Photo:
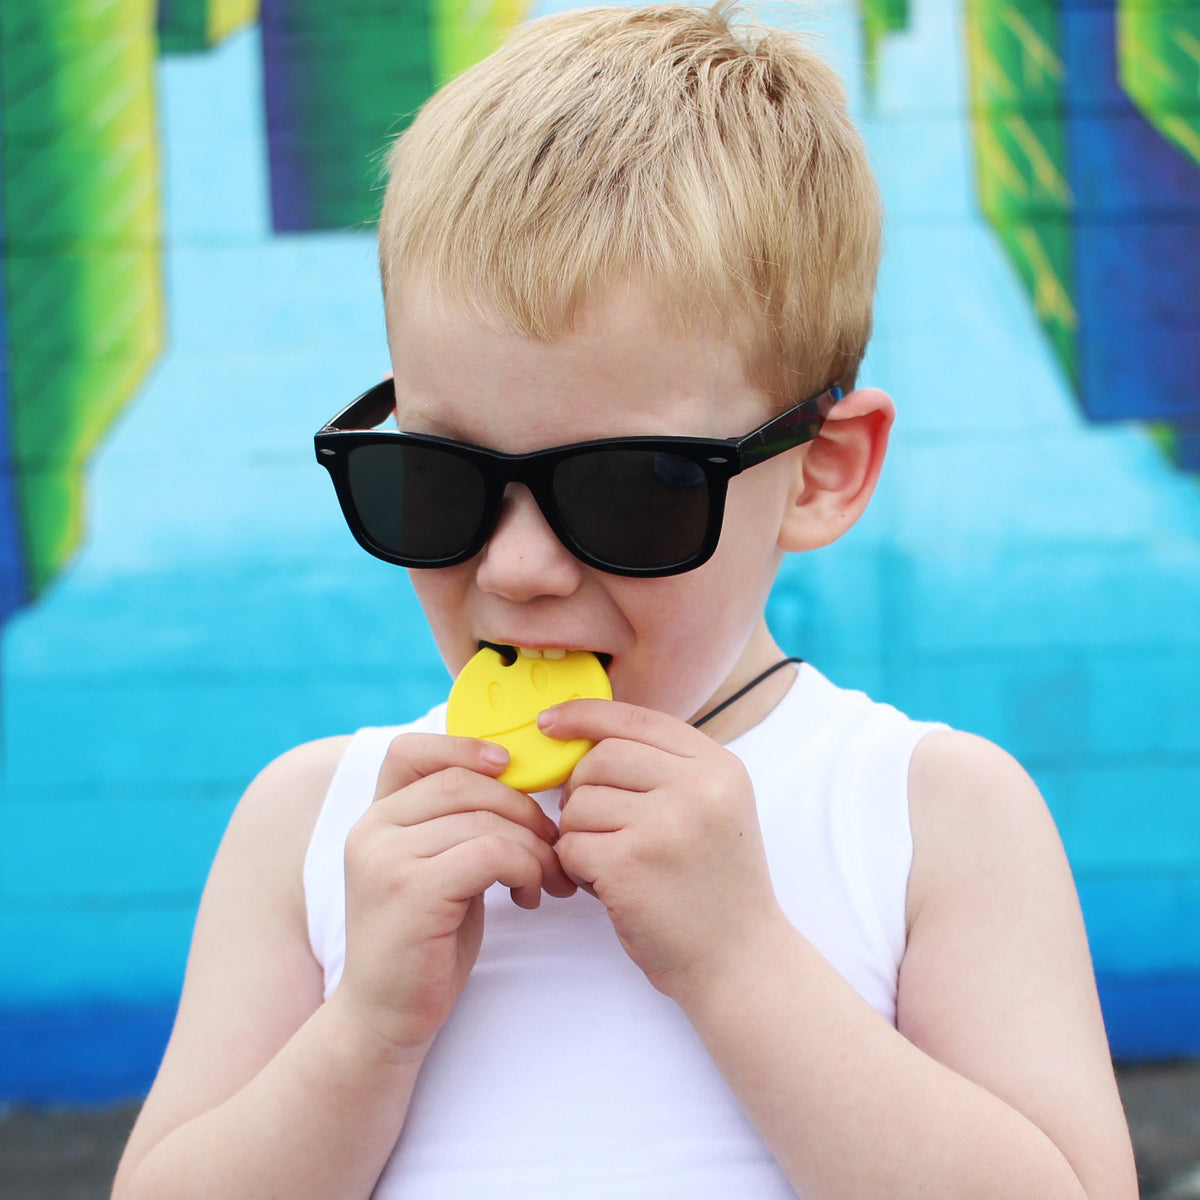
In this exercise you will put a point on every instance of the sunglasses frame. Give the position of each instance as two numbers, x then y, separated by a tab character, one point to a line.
719	458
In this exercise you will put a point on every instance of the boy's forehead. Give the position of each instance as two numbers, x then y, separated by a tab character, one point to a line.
625	304
624	368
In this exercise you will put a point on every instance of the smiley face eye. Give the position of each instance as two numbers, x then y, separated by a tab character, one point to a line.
495	695
539	676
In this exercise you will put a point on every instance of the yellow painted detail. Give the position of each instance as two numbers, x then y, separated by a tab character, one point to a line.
1044	169
1039	59
1158	56
464	31
1182	133
1001	171
1050	298
228	16
1188	44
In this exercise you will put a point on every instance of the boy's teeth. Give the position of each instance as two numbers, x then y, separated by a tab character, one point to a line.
533	652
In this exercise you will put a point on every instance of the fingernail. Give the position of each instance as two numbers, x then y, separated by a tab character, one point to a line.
545	719
493	755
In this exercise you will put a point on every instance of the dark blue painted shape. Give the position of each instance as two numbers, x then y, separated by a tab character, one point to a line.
292	202
79	1053
1137	237
1151	1017
1187	448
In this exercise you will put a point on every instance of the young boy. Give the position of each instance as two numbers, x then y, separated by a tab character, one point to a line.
813	948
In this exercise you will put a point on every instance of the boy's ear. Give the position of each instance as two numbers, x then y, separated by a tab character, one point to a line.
837	473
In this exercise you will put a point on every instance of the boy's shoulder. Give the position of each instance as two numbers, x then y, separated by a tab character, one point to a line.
963	778
279	808
979	822
299	777
286	797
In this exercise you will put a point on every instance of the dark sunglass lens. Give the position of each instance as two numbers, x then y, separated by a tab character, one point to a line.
634	508
416	501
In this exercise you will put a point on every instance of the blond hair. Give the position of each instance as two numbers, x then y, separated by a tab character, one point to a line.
655	144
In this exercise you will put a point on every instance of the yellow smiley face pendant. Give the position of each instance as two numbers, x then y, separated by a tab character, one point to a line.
500	703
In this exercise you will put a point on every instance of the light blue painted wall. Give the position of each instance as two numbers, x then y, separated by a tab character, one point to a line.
1021	574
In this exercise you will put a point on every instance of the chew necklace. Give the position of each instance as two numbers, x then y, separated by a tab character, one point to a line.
497	696
783	662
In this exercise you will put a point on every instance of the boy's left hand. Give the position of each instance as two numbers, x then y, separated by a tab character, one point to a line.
659	822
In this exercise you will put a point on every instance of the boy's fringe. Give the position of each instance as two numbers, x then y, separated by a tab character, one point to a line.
686	149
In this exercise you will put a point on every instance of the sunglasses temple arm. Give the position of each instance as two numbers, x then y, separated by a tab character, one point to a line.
370	409
792	428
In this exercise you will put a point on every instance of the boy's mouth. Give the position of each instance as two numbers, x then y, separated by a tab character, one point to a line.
510	653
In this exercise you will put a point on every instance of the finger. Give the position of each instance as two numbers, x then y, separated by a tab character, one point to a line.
412	756
594	809
434	838
470	868
461	790
600	719
617	762
583	855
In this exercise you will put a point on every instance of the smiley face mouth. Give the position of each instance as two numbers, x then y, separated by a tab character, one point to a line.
532	724
510	653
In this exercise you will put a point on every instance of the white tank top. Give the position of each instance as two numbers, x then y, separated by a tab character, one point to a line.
561	1071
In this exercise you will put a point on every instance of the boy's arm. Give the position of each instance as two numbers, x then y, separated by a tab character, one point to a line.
998	1082
248	1083
1001	1084
265	1090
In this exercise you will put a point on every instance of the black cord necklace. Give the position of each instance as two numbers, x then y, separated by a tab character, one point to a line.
783	662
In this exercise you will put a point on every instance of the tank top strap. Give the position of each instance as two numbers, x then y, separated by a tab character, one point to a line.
875	813
830	767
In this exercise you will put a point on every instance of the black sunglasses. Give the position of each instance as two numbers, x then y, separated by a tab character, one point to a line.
641	506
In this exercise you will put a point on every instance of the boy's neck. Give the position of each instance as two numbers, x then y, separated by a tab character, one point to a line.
761	652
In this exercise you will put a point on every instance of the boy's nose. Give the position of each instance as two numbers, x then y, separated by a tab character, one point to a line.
524	558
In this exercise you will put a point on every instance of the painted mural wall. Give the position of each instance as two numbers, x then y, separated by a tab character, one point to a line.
187	190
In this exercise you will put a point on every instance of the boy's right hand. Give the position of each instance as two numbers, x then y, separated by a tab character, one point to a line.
441	830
